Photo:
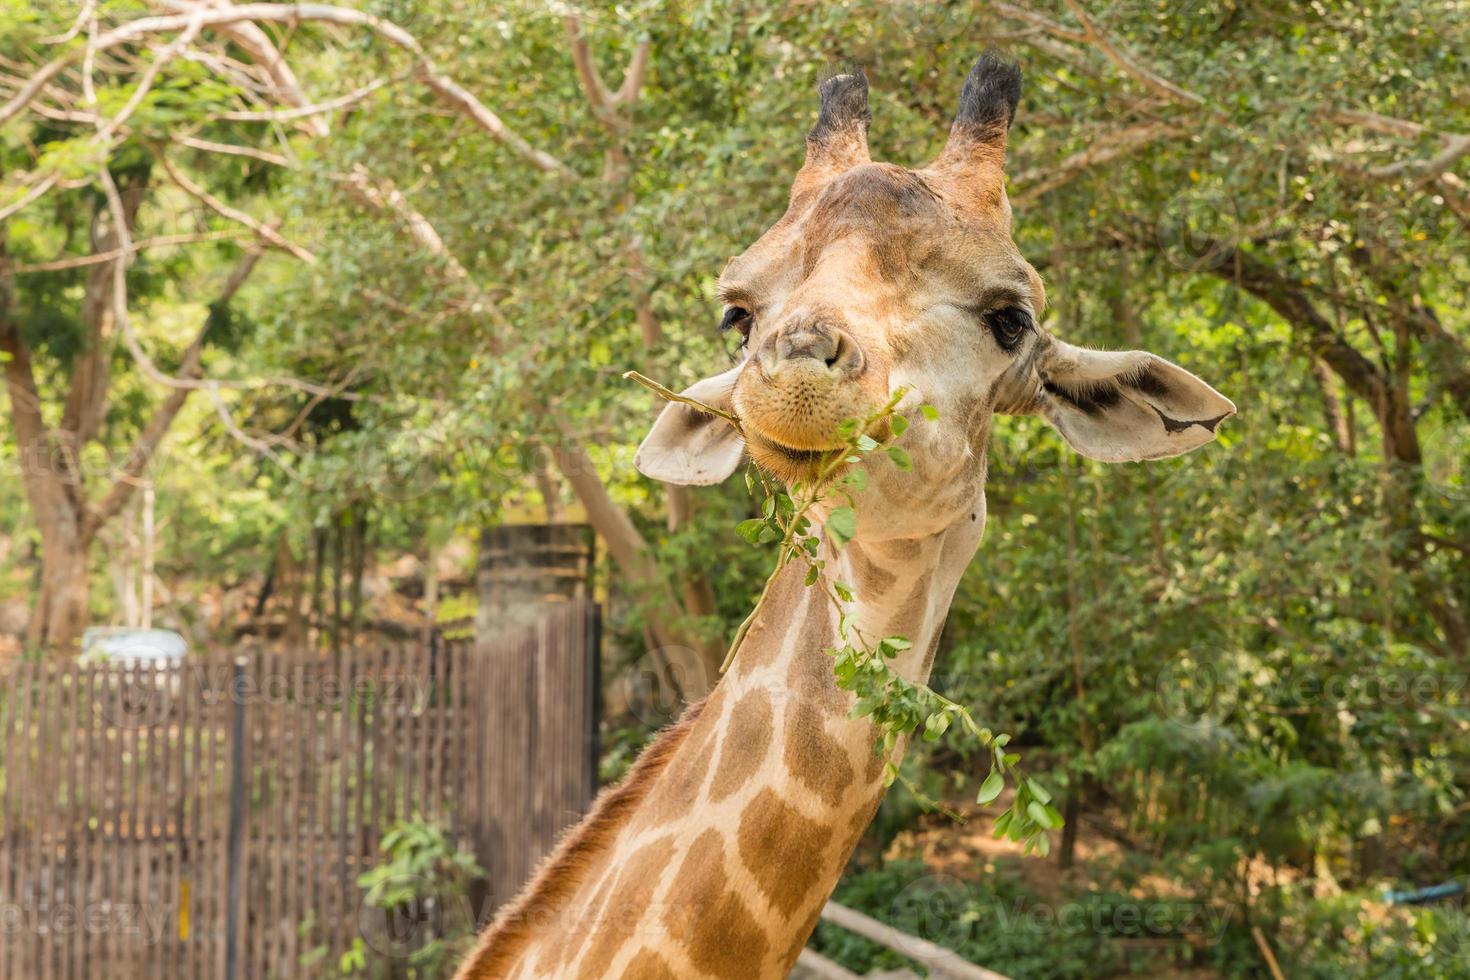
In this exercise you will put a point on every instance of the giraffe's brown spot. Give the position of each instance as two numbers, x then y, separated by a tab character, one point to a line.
810	674
875	767
858	825
570	950
782	849
798	942
814	756
719	934
929	654
747	738
763	642
913	609
810	677
899	549
629	898
872	579
681	780
648	965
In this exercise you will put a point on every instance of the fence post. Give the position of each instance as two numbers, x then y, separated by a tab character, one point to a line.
237	823
591	723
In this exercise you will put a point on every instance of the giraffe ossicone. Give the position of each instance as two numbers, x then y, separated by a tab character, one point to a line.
714	857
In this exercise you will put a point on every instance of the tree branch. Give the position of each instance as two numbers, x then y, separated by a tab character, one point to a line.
627	93
1361	375
264	54
305	110
81	261
231	149
264	231
425	69
1036	182
148	441
1127	64
592	85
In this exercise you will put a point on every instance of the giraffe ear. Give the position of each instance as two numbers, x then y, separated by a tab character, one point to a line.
1126	405
690	447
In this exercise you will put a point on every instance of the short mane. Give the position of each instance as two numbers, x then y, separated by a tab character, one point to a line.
563	870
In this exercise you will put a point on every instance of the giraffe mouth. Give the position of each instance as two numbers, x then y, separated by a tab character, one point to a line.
788	462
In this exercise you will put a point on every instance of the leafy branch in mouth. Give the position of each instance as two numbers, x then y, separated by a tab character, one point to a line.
862	663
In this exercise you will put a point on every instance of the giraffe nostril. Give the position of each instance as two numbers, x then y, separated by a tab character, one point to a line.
833	348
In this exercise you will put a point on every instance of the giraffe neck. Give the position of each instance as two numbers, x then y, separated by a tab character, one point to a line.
722	864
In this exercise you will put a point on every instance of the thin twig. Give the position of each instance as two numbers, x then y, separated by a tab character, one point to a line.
97	258
45	184
298	112
210	146
670	395
261	229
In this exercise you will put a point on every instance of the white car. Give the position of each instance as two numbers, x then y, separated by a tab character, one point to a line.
144	648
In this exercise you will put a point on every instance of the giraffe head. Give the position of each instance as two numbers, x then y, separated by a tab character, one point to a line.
880	277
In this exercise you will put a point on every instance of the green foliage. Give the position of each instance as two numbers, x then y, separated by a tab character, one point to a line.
998	924
423	883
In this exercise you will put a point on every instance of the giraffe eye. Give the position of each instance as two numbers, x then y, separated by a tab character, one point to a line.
1008	325
737	317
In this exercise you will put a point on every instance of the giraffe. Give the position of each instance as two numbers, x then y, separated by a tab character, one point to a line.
714	856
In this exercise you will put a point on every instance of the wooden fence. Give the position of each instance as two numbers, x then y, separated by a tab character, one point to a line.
211	819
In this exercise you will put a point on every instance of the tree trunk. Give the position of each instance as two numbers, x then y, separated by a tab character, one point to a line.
636	560
60	613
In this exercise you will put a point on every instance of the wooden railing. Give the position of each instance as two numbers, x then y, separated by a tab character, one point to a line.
942	964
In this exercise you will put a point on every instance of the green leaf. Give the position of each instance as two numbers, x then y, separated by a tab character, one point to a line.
750	530
899	425
1038	813
929	412
866	443
900	458
1038	791
843	590
991	788
935	726
841	525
